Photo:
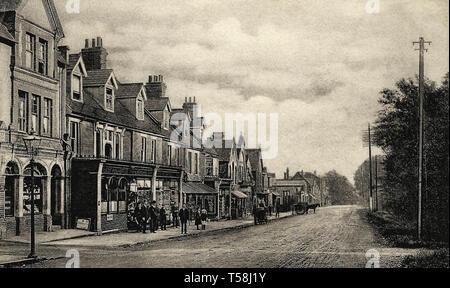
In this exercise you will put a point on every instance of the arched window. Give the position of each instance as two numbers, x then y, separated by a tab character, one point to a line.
11	182
40	176
113	190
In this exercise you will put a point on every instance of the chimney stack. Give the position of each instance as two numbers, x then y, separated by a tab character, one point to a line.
156	87
94	55
287	173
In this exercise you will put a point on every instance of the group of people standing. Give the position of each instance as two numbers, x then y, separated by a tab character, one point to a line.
150	215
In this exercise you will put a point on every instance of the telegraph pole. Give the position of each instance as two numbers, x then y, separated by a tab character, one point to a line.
376	183
370	173
421	50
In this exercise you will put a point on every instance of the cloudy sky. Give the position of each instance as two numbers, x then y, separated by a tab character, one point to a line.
319	64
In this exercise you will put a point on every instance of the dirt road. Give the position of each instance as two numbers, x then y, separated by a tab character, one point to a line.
334	237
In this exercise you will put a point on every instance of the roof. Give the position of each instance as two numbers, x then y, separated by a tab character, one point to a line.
254	157
156	104
239	194
224	154
129	90
13	5
198	188
5	34
97	77
121	116
210	151
298	176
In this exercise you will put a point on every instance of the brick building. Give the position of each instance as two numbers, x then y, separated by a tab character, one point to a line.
120	138
32	83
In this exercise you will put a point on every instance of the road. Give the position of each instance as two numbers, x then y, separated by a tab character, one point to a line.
334	237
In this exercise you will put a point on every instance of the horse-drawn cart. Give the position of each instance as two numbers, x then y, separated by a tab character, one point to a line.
261	215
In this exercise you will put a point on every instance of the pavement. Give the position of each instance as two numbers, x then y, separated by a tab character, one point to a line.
80	238
334	237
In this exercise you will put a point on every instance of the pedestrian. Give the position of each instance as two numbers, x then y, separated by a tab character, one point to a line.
255	211
204	218
184	215
198	218
174	211
163	218
153	217
141	216
277	209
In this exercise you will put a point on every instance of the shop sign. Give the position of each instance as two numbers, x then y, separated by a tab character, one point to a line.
110	217
83	224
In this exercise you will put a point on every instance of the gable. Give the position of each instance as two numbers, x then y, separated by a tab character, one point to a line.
34	11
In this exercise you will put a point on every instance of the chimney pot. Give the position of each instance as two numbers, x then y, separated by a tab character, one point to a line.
93	43
190	99
185	99
194	100
86	43
99	41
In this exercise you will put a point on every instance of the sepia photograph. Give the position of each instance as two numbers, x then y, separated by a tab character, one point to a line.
247	136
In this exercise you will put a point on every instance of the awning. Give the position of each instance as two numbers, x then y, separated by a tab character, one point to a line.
239	194
197	188
276	194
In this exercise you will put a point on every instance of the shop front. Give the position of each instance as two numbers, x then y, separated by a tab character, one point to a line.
238	204
201	196
106	192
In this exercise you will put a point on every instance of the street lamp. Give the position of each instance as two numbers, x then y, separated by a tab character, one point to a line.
32	143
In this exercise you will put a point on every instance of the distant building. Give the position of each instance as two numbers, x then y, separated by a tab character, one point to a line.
292	190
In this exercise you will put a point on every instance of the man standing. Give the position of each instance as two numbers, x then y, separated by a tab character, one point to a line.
153	217
163	218
184	215
174	212
277	209
141	217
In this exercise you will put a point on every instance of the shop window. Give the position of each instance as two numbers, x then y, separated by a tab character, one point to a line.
123	187
104	199
113	197
37	191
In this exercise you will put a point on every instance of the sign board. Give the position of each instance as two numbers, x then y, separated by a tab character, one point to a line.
109	217
83	224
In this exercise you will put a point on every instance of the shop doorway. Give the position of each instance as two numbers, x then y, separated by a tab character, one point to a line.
55	197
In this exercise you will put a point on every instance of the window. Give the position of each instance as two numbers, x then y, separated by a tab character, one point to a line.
190	162
37	191
140	109
144	149
154	151
109	99
36	114
123	195
196	163
169	155
48	112
74	132
43	57
118	145
23	111
76	87
30	51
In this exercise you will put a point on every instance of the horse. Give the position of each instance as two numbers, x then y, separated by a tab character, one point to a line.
312	207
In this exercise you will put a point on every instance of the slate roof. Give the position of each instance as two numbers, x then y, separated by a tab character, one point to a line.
121	116
198	188
129	90
224	154
73	59
156	104
9	5
97	77
5	34
253	156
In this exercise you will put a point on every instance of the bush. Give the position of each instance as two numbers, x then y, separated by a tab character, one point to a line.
437	259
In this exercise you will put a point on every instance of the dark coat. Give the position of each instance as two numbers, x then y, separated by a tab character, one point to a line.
140	213
204	217
152	212
198	218
162	213
184	215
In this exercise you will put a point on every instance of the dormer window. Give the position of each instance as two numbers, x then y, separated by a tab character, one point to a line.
140	109
109	99
76	88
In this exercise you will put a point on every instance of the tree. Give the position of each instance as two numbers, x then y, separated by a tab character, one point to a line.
340	190
396	133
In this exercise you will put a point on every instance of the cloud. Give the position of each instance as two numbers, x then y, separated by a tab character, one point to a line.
318	64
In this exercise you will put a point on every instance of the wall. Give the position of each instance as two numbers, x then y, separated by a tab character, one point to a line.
5	83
